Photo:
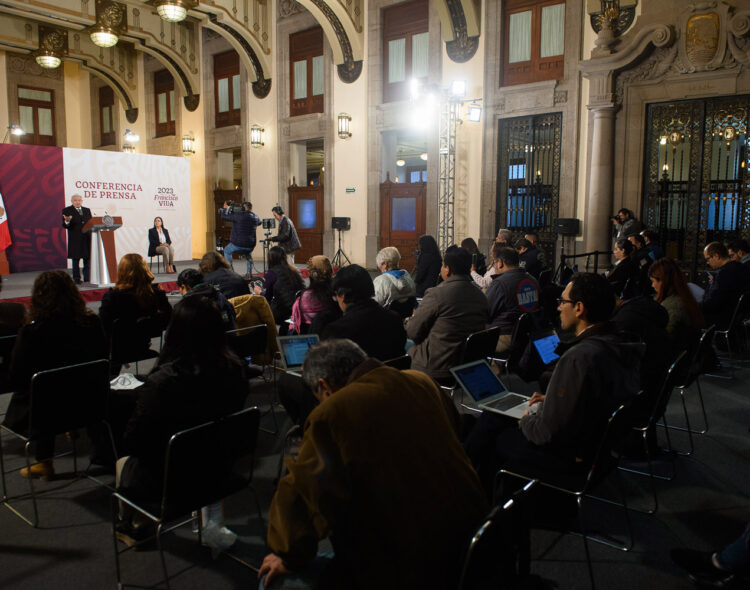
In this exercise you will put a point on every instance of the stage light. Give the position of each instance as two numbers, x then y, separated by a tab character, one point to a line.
474	113
458	88
13	129
345	125
188	145
256	136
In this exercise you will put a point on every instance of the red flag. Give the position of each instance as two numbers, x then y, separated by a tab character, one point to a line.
5	240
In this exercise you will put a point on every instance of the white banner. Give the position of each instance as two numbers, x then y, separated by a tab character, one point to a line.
136	187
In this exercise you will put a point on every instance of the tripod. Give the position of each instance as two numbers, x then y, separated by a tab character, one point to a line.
340	256
266	245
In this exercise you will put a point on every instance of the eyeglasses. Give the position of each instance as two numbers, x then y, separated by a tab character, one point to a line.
560	301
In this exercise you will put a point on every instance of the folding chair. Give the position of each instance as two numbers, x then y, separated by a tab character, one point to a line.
402	363
518	342
6	352
579	486
60	400
477	345
645	423
158	263
131	343
741	311
203	465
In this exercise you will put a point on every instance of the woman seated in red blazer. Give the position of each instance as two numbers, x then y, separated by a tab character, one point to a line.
159	244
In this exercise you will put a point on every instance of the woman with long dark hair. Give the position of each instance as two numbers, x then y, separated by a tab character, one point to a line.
159	244
60	332
134	296
673	293
479	262
196	379
316	306
429	261
283	282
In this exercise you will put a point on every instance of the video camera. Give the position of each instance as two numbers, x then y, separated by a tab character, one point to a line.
269	223
233	208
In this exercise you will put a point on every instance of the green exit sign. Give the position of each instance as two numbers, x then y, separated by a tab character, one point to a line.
350	189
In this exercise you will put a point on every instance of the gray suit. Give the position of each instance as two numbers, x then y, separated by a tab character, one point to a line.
445	318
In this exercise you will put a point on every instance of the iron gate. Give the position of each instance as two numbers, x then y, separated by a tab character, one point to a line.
696	183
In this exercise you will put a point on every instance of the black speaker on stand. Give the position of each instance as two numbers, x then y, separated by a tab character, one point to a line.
565	226
340	224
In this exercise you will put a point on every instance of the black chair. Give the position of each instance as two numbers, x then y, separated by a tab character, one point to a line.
131	342
579	485
690	376
545	278
518	342
403	307
203	465
646	418
402	363
6	352
477	345
733	330
158	263
60	400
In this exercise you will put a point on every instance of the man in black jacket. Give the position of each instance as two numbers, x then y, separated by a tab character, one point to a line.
732	279
242	239
287	237
75	217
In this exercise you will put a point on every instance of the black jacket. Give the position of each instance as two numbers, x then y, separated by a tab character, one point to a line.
243	228
509	295
720	299
281	292
529	261
619	275
378	331
427	271
228	316
79	243
228	282
153	240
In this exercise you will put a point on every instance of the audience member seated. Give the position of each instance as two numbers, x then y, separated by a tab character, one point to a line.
393	285
197	379
528	257
427	270
731	280
61	332
315	307
504	237
596	373
739	251
12	316
253	310
540	255
484	280
654	249
283	282
446	316
134	296
513	291
672	292
478	260
728	567
159	244
642	257
397	513
378	331
216	272
625	268
190	282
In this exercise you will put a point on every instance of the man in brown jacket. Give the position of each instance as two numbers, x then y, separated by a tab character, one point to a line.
382	473
446	316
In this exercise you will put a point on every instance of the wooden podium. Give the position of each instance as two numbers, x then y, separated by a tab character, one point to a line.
103	254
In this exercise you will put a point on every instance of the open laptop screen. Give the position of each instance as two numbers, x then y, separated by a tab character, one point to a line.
294	349
478	380
545	346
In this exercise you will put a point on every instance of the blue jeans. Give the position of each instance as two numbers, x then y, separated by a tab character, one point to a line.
304	579
230	249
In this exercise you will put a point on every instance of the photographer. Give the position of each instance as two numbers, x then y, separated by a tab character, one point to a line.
626	224
287	236
242	240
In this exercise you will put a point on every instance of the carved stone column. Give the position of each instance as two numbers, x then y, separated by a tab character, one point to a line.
600	202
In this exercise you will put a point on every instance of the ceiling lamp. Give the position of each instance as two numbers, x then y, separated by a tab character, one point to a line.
53	46
110	23
400	163
174	11
423	156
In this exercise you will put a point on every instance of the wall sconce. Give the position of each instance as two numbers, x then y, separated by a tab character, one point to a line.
128	147
256	136
130	139
188	144
53	46
111	21
423	156
345	126
174	11
13	129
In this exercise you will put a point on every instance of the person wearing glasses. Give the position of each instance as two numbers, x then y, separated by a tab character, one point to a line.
597	371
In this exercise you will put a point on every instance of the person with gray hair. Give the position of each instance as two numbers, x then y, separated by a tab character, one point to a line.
504	237
359	477
393	284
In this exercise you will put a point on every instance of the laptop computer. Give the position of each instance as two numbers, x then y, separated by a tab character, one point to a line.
545	345
478	380
294	350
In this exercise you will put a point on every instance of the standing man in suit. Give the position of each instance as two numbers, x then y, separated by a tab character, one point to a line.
287	236
75	217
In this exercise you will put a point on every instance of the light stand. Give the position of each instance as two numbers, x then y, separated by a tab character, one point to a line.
340	256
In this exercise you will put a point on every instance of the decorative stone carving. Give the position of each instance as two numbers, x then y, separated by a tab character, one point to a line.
704	37
739	40
350	70
620	25
191	102
131	115
261	87
289	8
21	64
561	96
463	47
654	67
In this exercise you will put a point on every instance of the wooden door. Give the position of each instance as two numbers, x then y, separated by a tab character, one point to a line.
307	214
402	218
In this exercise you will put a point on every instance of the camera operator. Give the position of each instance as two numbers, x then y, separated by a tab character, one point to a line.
242	240
287	236
626	224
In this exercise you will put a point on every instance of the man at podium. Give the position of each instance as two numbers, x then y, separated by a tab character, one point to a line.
75	217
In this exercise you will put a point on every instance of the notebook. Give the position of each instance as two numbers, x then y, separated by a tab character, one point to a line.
294	350
478	380
545	345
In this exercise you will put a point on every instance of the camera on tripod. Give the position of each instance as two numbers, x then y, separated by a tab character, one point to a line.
269	223
233	208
